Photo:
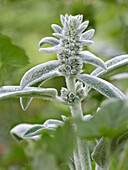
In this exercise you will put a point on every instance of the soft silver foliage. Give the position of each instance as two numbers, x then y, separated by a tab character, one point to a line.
111	65
28	92
102	86
119	76
40	73
50	40
33	131
90	58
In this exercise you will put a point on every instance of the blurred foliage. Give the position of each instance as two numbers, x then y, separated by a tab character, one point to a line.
26	22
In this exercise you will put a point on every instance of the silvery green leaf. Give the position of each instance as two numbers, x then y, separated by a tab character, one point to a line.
111	65
84	42
34	130
6	89
119	76
30	92
104	87
90	58
40	73
99	153
56	28
58	35
50	49
62	19
50	40
52	123
49	125
19	130
88	34
82	27
24	102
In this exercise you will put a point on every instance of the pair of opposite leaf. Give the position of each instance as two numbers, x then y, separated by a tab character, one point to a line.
70	62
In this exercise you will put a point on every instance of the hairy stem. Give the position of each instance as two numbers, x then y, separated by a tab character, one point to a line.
81	153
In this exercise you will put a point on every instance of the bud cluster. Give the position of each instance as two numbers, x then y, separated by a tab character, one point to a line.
70	46
71	97
72	66
68	96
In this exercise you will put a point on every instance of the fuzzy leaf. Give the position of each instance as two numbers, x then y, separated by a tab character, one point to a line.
111	65
110	121
56	28
82	27
6	89
52	123
25	102
84	42
90	58
104	87
40	73
62	19
19	130
50	40
49	125
88	34
12	54
99	154
119	76
58	35
48	93
49	49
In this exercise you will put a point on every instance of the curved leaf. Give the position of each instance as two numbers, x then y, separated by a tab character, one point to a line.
102	86
111	65
52	123
90	58
49	125
99	155
119	76
88	34
37	76
84	42
34	130
50	49
50	40
56	28
19	130
40	73
58	35
6	89
82	27
29	92
62	19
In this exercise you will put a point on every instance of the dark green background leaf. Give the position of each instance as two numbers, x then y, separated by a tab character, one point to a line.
110	121
11	54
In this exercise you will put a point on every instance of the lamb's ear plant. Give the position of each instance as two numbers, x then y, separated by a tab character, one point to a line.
110	121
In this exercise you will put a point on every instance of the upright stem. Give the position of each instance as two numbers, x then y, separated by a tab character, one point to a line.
81	153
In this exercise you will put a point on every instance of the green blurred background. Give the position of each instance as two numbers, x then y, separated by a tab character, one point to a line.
26	22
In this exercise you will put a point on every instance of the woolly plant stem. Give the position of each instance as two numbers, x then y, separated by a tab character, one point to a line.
81	153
